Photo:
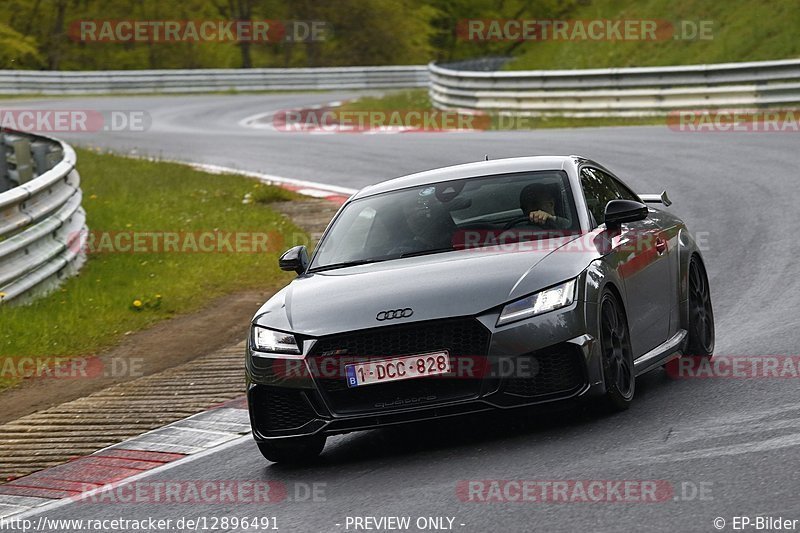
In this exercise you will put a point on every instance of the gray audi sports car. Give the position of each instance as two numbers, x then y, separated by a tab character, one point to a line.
489	285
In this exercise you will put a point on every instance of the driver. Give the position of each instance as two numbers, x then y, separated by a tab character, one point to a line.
539	205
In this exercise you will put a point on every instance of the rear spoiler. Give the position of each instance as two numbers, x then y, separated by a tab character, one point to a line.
656	198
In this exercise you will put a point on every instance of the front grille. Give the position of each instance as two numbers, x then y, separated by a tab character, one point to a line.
464	339
557	370
277	408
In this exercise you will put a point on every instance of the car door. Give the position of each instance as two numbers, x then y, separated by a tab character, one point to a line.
666	241
639	254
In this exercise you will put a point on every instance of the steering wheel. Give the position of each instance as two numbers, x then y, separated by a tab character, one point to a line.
519	220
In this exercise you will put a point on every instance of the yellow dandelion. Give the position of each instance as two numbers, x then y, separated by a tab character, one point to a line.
2	295
93	197
137	303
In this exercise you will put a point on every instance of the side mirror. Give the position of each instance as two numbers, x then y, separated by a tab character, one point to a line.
294	260
619	212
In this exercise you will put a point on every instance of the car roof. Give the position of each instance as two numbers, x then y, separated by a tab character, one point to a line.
472	170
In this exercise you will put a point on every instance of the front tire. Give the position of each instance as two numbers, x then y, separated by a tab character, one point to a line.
617	355
701	313
292	450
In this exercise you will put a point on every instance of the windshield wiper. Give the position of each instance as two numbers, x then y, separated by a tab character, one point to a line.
426	252
344	264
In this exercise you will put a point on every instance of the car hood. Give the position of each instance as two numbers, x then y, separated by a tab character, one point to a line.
457	283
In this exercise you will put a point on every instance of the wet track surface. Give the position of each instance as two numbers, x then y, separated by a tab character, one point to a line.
739	437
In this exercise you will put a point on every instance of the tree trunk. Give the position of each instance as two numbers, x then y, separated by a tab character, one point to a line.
57	37
242	10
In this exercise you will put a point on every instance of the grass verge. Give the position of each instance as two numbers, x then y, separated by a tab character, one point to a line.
116	293
740	30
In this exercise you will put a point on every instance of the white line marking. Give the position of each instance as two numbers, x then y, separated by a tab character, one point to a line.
786	441
269	178
256	122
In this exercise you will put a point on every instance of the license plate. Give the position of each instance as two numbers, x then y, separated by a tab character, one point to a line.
397	368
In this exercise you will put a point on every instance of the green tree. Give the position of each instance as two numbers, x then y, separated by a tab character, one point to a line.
376	32
18	51
239	10
451	45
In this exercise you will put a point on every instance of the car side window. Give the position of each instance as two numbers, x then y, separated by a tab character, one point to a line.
598	189
624	192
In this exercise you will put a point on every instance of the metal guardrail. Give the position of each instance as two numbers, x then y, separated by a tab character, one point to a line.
206	80
618	91
42	224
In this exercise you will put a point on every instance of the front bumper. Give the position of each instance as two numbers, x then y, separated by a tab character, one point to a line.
543	359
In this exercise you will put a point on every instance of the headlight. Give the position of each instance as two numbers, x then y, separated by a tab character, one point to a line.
541	302
267	340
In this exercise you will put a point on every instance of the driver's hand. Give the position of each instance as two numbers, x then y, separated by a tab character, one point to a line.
540	217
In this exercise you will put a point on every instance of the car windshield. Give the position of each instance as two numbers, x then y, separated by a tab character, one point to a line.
447	216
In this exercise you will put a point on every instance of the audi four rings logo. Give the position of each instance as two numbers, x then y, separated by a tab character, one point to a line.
394	314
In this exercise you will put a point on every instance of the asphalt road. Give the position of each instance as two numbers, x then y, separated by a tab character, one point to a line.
739	438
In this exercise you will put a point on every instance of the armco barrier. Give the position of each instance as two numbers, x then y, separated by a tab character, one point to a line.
618	91
206	80
42	223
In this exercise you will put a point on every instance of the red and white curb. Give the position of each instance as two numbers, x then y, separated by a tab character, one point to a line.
198	435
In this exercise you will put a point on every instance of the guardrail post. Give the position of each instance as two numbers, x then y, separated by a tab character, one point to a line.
45	156
5	181
39	152
19	160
